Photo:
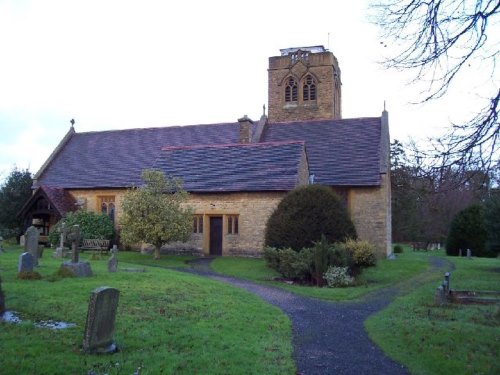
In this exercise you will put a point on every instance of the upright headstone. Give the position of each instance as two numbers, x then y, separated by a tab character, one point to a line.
26	262
459	252
100	325
469	253
113	261
31	242
60	249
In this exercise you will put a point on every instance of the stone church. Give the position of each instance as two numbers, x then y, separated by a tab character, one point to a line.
236	173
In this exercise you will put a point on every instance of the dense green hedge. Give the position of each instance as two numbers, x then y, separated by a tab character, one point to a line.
305	215
92	226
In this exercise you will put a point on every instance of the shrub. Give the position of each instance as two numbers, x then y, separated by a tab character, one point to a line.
398	249
338	277
304	215
92	225
363	253
468	231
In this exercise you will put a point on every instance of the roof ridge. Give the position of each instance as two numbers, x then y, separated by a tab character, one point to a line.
156	128
324	120
228	145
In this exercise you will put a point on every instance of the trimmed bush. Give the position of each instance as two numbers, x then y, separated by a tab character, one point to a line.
92	226
338	277
468	231
363	253
305	215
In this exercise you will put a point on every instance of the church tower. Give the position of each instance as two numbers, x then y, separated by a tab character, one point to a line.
304	84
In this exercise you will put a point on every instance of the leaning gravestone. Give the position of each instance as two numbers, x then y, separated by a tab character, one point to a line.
31	242
100	325
26	262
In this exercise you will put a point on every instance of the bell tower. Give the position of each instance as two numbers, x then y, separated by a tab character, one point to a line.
304	84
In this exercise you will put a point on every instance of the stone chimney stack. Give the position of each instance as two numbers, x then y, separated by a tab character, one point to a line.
245	129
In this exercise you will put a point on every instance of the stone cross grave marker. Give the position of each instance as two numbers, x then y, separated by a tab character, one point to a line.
26	262
62	232
74	236
31	242
100	325
113	261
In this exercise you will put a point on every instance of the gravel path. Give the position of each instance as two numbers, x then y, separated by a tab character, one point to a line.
328	338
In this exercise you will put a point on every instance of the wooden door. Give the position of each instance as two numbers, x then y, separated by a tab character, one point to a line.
216	235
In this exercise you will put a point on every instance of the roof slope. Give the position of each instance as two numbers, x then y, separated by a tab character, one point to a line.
234	167
116	158
340	152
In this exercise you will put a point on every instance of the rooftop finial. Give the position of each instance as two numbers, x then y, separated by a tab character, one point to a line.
72	122
263	109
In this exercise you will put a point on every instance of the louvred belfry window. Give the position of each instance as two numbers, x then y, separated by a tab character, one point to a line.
309	88
291	90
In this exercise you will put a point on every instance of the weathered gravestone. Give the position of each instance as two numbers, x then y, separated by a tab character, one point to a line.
79	269
113	261
100	325
26	262
469	254
31	243
59	253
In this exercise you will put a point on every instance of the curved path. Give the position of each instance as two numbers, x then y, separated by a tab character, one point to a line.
328	338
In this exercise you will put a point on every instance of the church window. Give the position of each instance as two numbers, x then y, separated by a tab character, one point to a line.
309	88
197	223
107	206
291	90
232	224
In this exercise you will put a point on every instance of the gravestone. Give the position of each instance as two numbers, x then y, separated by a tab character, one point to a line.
31	243
469	254
26	262
2	300
60	249
113	261
1	245
100	324
79	269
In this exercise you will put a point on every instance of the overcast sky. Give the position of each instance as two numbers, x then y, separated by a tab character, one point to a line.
133	64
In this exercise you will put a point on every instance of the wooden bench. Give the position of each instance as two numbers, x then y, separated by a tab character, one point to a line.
95	245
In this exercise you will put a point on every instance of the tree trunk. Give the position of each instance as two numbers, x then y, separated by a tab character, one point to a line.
157	252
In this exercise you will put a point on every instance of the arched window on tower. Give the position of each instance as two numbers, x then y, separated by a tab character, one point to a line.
309	88
291	90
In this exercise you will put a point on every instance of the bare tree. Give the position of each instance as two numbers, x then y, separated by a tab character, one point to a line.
438	40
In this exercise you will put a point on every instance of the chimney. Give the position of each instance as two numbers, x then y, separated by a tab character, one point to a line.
245	129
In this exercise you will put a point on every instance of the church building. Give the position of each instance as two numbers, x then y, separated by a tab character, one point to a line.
236	173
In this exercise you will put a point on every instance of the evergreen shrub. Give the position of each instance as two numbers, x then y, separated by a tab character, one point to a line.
92	225
305	215
468	231
398	249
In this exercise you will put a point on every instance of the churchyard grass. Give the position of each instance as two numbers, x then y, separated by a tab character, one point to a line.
167	322
386	273
450	339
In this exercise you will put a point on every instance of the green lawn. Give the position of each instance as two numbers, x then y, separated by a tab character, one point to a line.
453	339
386	273
175	323
168	322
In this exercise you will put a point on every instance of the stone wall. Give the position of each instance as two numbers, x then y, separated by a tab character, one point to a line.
370	211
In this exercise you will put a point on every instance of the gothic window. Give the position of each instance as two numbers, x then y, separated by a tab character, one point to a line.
107	206
309	88
291	90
